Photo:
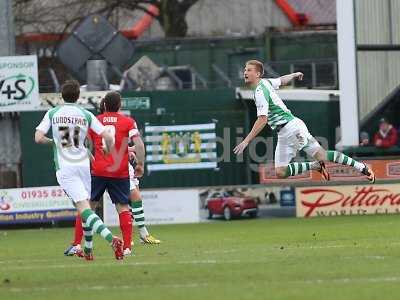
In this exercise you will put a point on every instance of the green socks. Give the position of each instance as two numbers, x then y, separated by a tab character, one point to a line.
93	222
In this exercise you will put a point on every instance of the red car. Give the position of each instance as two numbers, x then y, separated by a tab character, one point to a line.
231	204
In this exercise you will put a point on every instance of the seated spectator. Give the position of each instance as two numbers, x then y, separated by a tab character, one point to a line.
386	137
364	139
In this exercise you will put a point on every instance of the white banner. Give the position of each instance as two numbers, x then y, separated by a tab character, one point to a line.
321	201
161	207
35	205
19	83
179	147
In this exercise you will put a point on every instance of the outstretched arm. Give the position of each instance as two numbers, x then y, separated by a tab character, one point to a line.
286	79
259	124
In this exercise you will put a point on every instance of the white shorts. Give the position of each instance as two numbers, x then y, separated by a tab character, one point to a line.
134	182
291	139
75	181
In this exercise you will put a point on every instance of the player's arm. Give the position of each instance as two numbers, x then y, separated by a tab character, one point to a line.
41	138
140	154
42	129
131	152
138	148
89	145
259	124
103	131
286	79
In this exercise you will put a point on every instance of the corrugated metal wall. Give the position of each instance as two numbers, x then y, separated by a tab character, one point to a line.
395	9
377	23
372	82
372	21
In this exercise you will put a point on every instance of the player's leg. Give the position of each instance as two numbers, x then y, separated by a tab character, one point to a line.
93	222
291	139
88	235
78	232
75	247
315	150
125	224
73	183
96	190
340	158
136	204
119	194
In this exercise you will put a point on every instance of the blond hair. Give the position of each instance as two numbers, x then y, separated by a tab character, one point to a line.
258	64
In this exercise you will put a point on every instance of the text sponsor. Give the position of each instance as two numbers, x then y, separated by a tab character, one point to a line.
35	204
19	89
37	216
161	207
347	200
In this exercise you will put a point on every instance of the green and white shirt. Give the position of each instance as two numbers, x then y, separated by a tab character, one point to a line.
70	124
269	104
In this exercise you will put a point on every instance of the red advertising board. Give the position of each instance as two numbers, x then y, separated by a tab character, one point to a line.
384	169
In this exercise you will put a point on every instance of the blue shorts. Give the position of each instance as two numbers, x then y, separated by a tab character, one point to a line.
117	188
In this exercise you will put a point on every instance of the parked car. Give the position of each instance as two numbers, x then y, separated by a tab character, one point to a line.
231	204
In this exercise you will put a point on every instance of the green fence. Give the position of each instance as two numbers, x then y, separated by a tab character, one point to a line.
187	107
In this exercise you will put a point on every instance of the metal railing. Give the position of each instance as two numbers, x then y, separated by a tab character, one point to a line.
318	74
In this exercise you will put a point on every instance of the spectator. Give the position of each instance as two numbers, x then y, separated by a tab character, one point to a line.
364	138
386	137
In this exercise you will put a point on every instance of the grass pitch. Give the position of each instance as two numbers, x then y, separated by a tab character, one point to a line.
322	258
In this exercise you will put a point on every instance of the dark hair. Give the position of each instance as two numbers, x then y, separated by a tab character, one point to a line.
102	109
112	101
383	120
70	91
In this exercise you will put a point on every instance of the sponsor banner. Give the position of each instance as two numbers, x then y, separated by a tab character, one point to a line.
267	175
41	216
384	169
19	84
347	200
161	207
180	147
40	204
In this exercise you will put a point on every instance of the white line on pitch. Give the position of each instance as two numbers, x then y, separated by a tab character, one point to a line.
106	287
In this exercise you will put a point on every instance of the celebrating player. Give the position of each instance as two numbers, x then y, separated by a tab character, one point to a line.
293	134
70	124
